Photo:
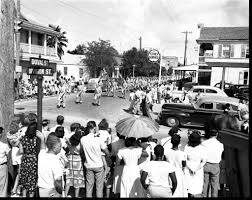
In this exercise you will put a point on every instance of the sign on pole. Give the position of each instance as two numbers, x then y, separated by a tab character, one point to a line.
39	67
154	55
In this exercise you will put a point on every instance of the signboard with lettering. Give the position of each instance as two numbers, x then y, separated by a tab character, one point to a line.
39	66
154	55
40	71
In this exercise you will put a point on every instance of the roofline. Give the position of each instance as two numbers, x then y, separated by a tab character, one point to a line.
221	40
36	27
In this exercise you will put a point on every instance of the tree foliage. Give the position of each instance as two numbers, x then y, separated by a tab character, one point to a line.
61	40
79	49
99	55
139	58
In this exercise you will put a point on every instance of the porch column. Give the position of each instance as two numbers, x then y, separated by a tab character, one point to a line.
30	41
223	78
45	44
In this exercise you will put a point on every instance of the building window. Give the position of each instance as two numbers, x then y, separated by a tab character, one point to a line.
24	36
226	51
81	72
37	38
243	77
65	71
245	51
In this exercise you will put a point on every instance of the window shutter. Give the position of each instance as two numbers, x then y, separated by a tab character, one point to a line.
231	50
220	51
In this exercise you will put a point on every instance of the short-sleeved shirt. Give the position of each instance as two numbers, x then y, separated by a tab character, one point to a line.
49	169
92	147
158	173
4	150
175	157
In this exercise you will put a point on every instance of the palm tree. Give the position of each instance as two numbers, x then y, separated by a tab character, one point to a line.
61	40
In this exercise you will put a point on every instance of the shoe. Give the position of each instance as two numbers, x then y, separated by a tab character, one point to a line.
63	106
58	106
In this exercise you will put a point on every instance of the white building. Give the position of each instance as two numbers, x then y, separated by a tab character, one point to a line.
223	55
33	43
72	65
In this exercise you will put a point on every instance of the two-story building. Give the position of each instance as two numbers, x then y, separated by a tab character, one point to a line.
72	66
223	55
33	43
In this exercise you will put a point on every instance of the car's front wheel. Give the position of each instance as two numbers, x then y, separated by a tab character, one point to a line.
172	121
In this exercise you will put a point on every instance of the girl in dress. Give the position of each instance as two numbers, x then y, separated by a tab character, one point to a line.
75	175
195	161
29	148
177	158
130	180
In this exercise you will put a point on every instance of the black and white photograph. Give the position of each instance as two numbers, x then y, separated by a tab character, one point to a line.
124	99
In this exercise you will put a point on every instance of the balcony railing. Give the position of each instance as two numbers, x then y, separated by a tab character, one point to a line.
36	49
50	51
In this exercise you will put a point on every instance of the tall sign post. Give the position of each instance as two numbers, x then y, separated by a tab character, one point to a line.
155	57
39	67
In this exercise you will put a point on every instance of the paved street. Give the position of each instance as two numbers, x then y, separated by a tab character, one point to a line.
111	109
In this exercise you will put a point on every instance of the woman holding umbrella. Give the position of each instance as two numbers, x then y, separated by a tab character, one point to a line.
130	180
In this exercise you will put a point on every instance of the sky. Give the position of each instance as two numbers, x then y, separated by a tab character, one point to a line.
160	23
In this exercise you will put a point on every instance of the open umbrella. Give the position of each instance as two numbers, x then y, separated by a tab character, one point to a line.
137	127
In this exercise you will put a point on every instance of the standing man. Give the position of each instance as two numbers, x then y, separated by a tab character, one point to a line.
62	95
92	147
214	151
114	87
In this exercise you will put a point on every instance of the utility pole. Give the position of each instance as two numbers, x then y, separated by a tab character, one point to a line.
17	39
7	8
185	59
140	40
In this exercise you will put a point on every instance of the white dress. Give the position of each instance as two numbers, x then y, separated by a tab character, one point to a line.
130	182
194	157
117	144
175	158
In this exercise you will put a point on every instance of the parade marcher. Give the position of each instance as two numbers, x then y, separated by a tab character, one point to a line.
159	172
214	151
79	91
61	95
124	89
4	151
97	95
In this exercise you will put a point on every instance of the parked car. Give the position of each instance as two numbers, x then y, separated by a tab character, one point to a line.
206	90
230	89
243	93
196	114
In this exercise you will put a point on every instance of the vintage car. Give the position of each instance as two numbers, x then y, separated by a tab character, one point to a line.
195	114
243	93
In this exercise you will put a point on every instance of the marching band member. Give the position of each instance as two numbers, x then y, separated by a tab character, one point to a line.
79	89
61	97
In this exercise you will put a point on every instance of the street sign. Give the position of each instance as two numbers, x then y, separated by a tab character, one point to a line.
154	55
39	62
40	71
39	66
